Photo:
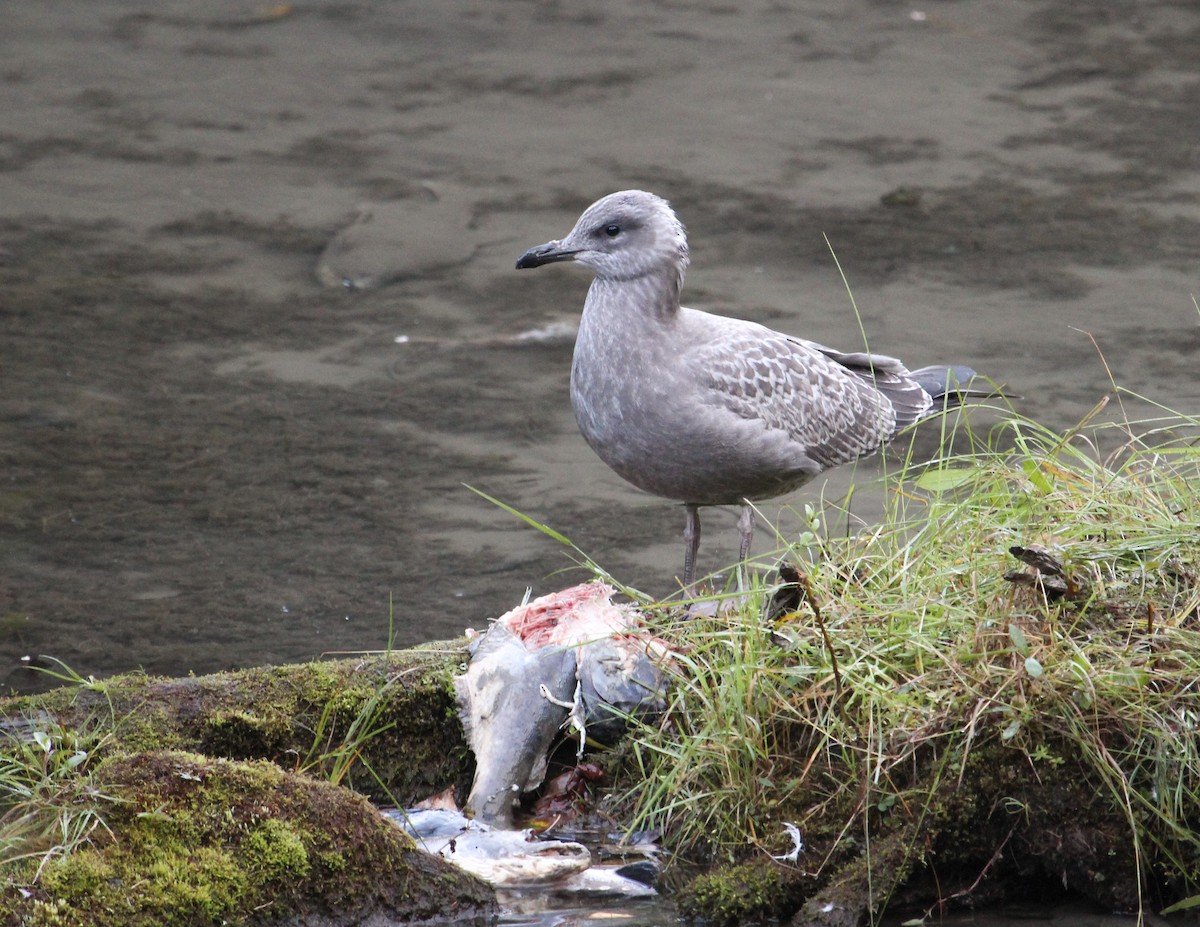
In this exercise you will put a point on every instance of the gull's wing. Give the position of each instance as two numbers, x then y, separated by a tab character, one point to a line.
835	407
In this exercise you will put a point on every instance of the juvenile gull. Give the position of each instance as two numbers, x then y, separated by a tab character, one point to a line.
707	409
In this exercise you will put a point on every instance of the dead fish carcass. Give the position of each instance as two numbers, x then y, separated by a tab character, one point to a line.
571	657
511	859
500	857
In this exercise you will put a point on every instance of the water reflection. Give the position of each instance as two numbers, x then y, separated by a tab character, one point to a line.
542	912
659	912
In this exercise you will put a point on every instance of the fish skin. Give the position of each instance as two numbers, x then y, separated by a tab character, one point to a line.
618	678
509	725
503	858
581	650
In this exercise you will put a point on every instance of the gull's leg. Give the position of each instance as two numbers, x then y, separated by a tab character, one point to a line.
691	544
746	530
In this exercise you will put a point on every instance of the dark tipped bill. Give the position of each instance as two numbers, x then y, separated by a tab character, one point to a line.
549	253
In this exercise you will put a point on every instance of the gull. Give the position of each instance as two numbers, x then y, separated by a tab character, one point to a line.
706	409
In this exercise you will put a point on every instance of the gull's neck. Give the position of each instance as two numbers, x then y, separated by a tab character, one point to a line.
638	300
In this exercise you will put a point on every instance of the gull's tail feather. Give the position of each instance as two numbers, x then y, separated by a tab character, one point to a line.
951	385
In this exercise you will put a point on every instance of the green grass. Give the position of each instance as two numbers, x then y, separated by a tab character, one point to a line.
913	653
48	807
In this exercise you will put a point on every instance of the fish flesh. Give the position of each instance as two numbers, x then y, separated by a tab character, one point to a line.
569	658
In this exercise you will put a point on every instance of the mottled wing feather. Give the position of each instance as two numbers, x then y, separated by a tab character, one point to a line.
828	408
889	375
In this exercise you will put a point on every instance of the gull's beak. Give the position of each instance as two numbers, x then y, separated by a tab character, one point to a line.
549	253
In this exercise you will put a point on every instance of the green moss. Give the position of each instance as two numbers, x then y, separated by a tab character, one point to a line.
128	884
276	850
192	840
756	891
298	716
46	914
332	860
79	874
199	882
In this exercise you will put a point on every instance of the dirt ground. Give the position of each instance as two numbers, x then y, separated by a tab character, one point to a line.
212	454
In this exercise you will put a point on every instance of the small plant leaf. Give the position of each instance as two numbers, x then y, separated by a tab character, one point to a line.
1190	902
944	479
1033	668
1017	636
1134	677
1036	475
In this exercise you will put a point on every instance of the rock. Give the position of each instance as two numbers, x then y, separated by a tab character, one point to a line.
187	839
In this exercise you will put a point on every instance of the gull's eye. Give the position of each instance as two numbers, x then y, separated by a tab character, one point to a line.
612	231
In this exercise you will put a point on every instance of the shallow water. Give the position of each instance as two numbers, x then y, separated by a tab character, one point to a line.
645	912
659	912
211	460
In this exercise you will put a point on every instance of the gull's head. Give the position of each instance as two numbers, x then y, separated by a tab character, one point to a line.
623	236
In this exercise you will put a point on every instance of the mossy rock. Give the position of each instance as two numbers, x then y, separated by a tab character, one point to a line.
293	715
190	840
1010	830
757	891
